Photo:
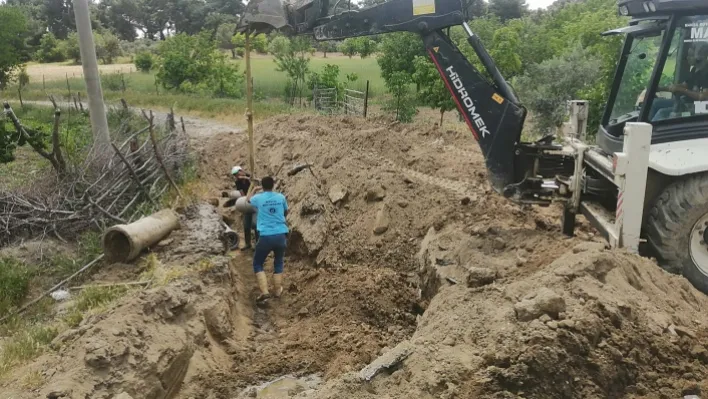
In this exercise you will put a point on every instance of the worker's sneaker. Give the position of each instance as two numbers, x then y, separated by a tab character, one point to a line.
263	286
278	285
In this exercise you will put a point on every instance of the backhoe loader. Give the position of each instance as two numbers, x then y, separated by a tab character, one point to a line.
643	183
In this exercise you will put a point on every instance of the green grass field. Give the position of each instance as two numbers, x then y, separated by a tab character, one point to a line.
269	84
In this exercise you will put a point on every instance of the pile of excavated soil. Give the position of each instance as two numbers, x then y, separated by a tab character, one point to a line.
515	309
406	276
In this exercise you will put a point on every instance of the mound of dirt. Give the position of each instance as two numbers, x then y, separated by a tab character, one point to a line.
593	323
515	309
406	276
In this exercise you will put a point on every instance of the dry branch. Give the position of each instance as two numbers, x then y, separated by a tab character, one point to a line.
95	194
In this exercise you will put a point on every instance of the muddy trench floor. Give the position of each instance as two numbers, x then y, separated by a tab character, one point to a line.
327	322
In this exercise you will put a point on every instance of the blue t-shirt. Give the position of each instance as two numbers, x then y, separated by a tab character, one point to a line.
271	213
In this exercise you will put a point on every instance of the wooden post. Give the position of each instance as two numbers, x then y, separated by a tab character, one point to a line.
366	99
249	107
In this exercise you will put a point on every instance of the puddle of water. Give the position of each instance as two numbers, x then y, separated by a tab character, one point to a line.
285	387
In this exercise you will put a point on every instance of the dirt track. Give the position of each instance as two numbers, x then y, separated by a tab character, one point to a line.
398	248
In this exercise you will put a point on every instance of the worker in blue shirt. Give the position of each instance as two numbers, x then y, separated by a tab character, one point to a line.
272	230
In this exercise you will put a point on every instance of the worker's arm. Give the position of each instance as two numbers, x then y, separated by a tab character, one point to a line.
682	89
285	207
253	192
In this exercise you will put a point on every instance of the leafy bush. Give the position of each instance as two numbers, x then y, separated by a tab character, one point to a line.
144	62
72	48
327	78
113	81
51	49
547	87
14	283
398	51
192	64
402	102
108	47
186	58
433	92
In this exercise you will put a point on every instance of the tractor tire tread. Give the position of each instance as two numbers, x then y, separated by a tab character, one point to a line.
669	223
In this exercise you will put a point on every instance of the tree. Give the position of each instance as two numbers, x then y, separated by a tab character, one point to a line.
348	47
107	47
327	46
224	36
144	62
548	86
401	103
508	9
328	77
73	51
290	56
193	64
474	8
12	34
259	44
364	46
51	49
506	51
397	53
185	58
433	92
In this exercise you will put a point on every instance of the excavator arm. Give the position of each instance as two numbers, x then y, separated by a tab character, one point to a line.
491	109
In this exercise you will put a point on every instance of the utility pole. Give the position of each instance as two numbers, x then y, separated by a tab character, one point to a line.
97	110
249	106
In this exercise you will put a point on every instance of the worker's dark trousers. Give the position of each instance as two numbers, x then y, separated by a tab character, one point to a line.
249	223
266	244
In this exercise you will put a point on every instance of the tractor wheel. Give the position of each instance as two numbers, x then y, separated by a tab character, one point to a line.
677	229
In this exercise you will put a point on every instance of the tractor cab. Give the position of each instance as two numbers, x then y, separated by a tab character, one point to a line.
662	73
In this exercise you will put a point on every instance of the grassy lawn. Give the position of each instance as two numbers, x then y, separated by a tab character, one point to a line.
141	90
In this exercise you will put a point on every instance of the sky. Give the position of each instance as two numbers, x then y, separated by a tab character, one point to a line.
534	4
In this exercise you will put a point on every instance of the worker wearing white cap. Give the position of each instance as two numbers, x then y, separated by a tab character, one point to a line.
243	183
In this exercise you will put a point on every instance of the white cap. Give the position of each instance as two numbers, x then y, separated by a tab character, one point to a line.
235	170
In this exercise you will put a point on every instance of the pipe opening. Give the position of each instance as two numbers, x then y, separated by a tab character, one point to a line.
117	246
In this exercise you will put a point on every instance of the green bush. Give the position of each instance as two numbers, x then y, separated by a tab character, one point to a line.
144	62
51	49
402	103
14	283
547	87
192	64
327	78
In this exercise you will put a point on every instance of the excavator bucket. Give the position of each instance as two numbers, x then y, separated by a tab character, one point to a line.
262	16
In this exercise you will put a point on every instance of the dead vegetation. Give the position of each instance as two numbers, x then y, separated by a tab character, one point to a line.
100	190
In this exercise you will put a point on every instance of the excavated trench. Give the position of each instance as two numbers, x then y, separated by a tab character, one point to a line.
404	269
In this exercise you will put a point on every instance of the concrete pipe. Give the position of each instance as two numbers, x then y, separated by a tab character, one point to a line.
124	242
235	194
243	206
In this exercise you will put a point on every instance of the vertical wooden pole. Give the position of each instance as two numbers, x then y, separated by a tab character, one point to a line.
366	99
249	107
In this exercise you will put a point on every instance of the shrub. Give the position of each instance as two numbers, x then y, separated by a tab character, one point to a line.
14	283
144	62
192	64
51	49
186	58
547	87
402	102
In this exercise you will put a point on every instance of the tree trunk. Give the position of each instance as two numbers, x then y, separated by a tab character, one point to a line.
325	54
233	53
442	113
